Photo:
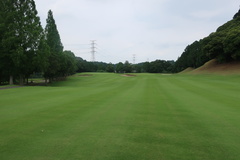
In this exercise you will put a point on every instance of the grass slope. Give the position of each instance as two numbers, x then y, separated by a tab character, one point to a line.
108	116
213	67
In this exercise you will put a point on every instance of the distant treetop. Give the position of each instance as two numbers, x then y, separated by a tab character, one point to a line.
237	14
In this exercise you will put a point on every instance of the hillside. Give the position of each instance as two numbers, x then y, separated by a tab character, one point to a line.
214	67
187	70
221	45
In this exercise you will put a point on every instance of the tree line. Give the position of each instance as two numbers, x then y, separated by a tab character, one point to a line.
222	45
26	48
157	66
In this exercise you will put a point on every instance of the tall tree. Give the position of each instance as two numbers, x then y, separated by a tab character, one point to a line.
31	30
21	36
55	45
2	30
8	39
41	59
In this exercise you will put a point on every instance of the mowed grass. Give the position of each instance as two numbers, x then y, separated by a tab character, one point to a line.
111	117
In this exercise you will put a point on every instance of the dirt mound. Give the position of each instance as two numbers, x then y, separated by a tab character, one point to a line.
128	75
213	67
207	66
85	75
187	70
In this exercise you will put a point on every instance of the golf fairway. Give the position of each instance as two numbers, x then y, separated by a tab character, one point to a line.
101	116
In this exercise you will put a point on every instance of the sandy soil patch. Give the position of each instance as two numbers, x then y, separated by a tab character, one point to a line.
167	74
85	75
189	69
128	75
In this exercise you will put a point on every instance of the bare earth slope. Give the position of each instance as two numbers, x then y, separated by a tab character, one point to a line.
213	67
187	70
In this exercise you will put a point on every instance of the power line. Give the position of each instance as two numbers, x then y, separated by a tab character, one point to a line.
76	44
109	55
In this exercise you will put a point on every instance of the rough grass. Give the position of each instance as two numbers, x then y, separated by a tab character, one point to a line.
108	116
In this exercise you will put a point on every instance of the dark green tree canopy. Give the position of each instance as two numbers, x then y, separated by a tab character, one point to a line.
24	46
21	28
237	14
52	35
53	40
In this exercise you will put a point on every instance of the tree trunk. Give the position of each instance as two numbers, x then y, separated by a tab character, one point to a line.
11	80
50	80
21	80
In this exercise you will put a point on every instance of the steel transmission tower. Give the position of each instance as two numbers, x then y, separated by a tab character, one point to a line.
134	58
93	51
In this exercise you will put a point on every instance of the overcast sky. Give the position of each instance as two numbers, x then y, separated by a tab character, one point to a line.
148	29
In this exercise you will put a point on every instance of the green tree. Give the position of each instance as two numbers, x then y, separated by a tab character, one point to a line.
81	65
56	48
30	31
232	44
214	46
41	58
110	67
68	64
127	67
120	67
2	30
237	14
20	38
8	43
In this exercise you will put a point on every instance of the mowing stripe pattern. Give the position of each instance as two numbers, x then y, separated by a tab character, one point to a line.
112	117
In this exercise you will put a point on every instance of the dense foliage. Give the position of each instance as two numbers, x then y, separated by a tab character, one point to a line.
20	34
25	48
158	66
222	45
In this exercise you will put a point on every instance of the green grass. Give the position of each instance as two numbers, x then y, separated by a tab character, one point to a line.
111	117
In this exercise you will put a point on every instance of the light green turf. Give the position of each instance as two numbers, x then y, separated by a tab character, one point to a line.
111	117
